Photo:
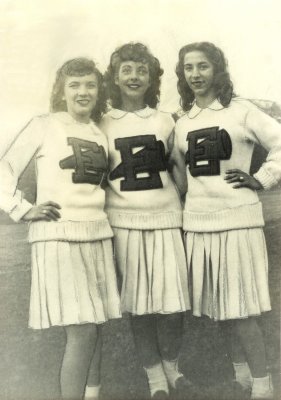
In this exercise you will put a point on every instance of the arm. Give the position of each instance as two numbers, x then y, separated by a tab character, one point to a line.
265	131
177	161
12	165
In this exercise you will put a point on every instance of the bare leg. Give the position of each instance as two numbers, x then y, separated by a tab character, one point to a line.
95	368
233	343
80	340
251	339
170	330
145	334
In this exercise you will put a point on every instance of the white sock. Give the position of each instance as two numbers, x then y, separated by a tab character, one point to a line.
156	379
262	388
243	375
92	392
171	371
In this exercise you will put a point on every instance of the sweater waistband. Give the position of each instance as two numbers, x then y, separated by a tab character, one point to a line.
145	221
246	216
76	231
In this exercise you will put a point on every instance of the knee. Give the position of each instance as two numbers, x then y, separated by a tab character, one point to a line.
81	335
247	327
170	321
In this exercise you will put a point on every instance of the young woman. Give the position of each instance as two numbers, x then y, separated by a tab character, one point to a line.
73	276
223	219
145	212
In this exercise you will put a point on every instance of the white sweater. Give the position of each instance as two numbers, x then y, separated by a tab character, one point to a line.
71	160
141	193
214	140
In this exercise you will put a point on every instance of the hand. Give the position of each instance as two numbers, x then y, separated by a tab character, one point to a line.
43	212
242	179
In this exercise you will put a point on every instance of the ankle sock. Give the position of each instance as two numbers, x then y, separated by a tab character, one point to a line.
262	388
156	379
243	375
171	371
92	392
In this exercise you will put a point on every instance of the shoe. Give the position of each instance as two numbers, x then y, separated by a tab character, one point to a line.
160	395
185	390
240	393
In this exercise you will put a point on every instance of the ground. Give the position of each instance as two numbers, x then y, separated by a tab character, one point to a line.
30	360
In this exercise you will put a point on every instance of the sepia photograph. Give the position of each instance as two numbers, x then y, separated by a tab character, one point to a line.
140	199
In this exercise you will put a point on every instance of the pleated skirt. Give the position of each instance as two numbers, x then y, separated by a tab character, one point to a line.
228	273
73	283
153	271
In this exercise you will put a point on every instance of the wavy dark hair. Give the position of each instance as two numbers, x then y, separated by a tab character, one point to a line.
139	53
78	67
222	84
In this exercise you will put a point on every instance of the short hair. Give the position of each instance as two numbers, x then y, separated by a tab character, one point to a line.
77	67
222	84
139	53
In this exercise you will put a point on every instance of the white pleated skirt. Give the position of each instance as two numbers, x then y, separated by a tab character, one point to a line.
153	269
228	273
73	283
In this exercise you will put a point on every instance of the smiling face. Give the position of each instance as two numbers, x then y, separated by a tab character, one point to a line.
133	80
199	74
80	94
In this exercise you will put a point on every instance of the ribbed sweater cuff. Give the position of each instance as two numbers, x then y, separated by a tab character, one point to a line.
143	221
266	179
247	216
73	231
19	211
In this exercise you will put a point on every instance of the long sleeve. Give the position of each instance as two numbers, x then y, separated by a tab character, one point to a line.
266	131
13	163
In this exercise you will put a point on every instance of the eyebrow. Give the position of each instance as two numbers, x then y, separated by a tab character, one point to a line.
200	63
92	81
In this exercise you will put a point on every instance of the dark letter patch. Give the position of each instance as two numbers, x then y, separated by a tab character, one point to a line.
150	160
206	147
88	161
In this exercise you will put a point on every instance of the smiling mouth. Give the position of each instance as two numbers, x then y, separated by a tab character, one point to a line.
197	83
133	86
84	102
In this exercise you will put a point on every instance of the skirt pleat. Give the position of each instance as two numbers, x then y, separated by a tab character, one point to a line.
153	270
73	283
228	273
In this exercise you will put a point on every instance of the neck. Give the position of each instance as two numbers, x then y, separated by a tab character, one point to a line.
132	105
84	119
204	101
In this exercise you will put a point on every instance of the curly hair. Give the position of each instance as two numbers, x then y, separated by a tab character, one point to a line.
139	53
77	67
222	84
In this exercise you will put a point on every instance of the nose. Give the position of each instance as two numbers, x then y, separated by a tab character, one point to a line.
195	72
133	75
83	90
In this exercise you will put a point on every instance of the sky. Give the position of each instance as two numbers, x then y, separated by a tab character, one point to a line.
37	37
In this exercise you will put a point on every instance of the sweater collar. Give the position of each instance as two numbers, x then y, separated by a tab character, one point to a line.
195	110
143	113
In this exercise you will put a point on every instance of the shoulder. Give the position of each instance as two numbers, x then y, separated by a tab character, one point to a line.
182	121
40	119
240	104
165	118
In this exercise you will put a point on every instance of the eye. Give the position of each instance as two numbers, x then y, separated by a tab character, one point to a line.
126	70
204	67
143	71
92	85
188	68
73	85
